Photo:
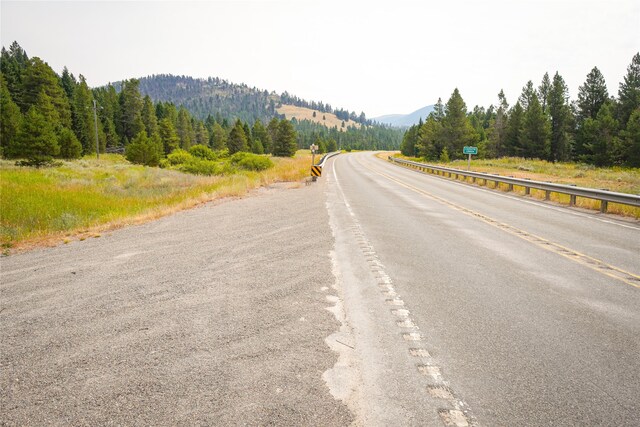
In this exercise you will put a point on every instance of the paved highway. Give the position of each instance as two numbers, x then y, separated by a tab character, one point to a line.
466	306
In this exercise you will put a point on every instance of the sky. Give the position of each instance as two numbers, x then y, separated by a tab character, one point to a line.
380	57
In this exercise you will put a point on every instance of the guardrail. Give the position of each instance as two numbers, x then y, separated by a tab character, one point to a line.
604	196
326	156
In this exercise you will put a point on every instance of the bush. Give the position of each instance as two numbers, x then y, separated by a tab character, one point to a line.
178	157
199	166
251	161
144	150
203	152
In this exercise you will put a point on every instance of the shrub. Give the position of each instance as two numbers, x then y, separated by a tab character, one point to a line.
199	166
203	152
178	157
144	150
251	161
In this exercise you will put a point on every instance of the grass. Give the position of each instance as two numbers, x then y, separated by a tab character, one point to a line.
622	180
84	198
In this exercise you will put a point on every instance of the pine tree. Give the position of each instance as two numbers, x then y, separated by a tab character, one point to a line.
38	78
218	137
285	144
438	110
457	131
535	131
83	123
130	101
497	146
514	131
561	121
543	91
592	95
70	147
69	83
168	135
260	132
144	150
202	135
37	140
149	116
600	135
184	129
13	64
629	91
409	141
10	118
630	144
237	139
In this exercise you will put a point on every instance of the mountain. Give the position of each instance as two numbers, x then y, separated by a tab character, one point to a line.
215	96
405	120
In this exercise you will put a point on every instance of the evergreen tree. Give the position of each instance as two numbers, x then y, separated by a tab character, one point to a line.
285	144
527	95
543	91
144	150
630	144
600	137
218	137
37	140
70	147
13	64
409	141
438	110
131	103
83	123
202	135
149	116
561	121
69	83
629	91
38	78
184	129
497	133
168	135
260	132
457	131
237	138
535	132
514	131
592	95
430	145
256	146
10	118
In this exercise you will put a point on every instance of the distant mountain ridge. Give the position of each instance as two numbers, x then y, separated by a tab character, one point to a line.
405	120
216	96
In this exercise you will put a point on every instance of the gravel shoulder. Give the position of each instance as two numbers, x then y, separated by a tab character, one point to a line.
213	316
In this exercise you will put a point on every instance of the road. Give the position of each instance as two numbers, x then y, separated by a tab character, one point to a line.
474	307
213	316
377	296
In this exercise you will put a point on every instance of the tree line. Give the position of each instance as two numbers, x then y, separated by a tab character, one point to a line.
598	129
44	115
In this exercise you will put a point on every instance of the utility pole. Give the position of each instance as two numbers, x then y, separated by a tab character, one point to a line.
95	122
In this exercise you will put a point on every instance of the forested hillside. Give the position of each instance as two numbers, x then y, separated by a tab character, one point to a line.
544	123
45	115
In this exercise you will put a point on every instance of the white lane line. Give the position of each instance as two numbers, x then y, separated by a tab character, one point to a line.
440	388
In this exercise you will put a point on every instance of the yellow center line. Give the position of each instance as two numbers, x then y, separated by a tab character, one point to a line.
580	258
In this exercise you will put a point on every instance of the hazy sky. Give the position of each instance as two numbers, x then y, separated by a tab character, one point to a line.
379	57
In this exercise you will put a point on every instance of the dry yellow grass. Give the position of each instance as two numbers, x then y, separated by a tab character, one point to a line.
301	113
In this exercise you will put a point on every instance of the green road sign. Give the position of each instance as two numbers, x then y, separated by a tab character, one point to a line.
470	150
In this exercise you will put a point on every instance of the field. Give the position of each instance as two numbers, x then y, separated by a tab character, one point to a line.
84	198
622	180
301	113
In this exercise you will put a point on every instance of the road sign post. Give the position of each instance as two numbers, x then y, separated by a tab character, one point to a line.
469	151
313	149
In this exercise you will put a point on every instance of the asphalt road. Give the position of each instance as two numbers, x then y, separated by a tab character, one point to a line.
213	316
377	296
474	307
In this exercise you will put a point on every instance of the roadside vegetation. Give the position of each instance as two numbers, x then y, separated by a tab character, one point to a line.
618	179
86	197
